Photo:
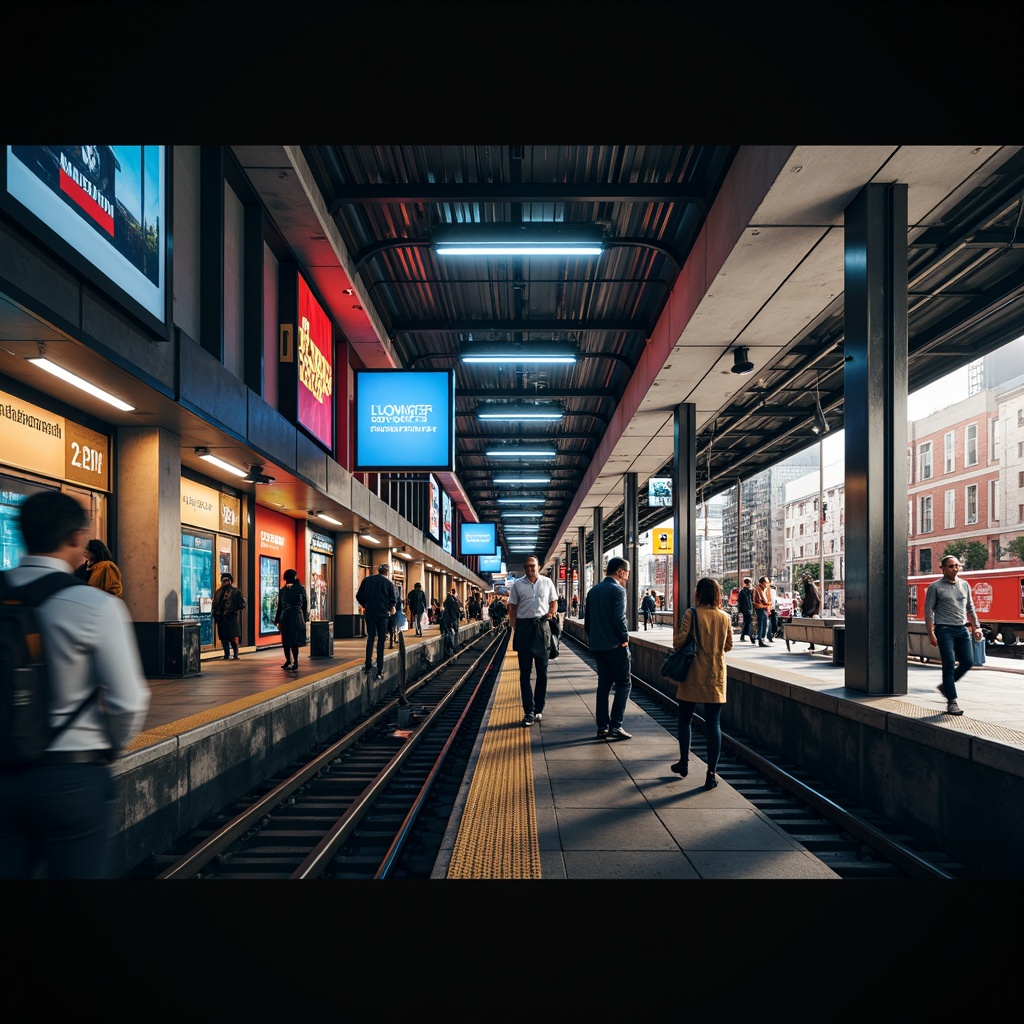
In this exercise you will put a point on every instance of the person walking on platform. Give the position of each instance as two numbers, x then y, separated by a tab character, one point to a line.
453	610
498	612
575	607
604	622
417	606
648	606
763	607
291	618
745	606
706	681
810	604
948	609
103	571
227	603
532	604
377	595
56	813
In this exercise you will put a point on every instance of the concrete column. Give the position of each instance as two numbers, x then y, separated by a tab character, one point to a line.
148	500
346	575
875	388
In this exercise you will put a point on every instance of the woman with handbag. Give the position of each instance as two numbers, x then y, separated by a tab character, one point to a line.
705	680
292	616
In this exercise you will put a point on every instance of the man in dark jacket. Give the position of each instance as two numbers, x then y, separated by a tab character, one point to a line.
810	606
604	621
417	606
377	596
453	611
648	606
745	605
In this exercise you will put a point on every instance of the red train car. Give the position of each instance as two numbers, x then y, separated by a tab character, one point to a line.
998	596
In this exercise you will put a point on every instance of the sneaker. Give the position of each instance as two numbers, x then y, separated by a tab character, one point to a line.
618	733
529	720
379	676
538	715
602	734
952	708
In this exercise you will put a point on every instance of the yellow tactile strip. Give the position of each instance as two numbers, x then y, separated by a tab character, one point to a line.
497	835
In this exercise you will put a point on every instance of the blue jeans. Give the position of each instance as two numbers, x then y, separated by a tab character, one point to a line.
613	670
955	645
712	726
762	625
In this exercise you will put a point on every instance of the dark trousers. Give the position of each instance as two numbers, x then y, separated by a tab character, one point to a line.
59	815
613	670
376	629
525	637
712	731
748	623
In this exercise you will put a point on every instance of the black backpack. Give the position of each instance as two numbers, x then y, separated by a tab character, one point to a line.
25	691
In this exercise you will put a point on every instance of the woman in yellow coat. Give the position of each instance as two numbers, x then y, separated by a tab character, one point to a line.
103	571
705	682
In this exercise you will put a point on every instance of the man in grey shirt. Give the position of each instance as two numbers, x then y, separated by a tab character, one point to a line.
948	609
59	811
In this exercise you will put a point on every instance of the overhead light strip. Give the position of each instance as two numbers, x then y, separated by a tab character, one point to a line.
66	375
220	463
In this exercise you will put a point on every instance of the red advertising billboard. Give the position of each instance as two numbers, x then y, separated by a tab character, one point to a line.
315	356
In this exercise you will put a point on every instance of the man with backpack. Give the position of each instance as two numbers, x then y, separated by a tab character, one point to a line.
56	806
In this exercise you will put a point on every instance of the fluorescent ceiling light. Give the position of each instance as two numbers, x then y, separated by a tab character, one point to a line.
521	501
518	240
327	518
78	382
214	461
405	555
366	536
521	480
522	515
546	412
521	453
505	353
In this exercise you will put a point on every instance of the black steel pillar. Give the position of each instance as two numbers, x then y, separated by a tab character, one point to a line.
876	440
581	561
630	545
684	494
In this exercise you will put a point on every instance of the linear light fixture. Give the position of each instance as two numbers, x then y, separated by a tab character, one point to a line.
522	515
521	480
204	454
544	412
510	353
66	375
533	239
366	536
521	453
327	518
522	501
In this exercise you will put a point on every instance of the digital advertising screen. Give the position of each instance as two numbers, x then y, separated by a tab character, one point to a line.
478	538
104	209
659	491
405	420
434	508
315	356
446	522
490	563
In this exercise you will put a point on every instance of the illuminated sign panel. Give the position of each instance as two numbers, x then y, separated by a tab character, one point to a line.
659	491
446	522
478	538
434	508
490	563
316	368
104	209
405	420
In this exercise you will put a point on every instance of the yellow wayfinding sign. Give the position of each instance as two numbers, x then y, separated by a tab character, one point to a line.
663	541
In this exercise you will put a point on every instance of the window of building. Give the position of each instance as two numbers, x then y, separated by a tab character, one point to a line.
926	514
950	520
995	439
924	461
926	559
993	501
1020	513
972	504
1020	417
971	444
1020	449
950	441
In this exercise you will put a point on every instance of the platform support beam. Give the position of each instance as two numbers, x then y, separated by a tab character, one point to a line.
630	544
684	496
876	439
581	564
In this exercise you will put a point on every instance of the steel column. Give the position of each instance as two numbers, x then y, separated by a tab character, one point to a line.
684	493
581	560
630	546
876	439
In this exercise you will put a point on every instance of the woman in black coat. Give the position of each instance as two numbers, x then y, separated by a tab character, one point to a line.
291	618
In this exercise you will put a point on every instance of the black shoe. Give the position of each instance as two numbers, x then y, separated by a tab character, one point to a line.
379	676
618	733
680	768
761	643
227	657
287	664
711	781
602	734
529	720
367	667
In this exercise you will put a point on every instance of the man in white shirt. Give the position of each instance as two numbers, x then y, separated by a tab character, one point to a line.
532	604
59	810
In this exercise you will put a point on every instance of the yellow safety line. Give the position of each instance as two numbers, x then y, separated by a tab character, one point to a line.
497	836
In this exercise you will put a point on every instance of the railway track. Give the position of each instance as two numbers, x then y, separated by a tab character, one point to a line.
853	841
365	805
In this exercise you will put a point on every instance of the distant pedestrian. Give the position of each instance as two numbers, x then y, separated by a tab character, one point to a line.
648	606
745	606
948	610
417	606
604	622
227	603
763	608
378	596
705	683
56	815
575	607
291	618
532	603
451	616
810	603
103	571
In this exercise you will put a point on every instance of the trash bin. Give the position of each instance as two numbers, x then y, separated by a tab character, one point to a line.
169	649
838	645
321	638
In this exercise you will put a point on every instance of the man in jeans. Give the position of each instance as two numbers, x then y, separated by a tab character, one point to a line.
417	606
604	622
378	597
948	609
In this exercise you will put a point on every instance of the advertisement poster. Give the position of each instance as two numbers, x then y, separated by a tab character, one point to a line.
316	368
446	525
270	587
197	583
434	521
